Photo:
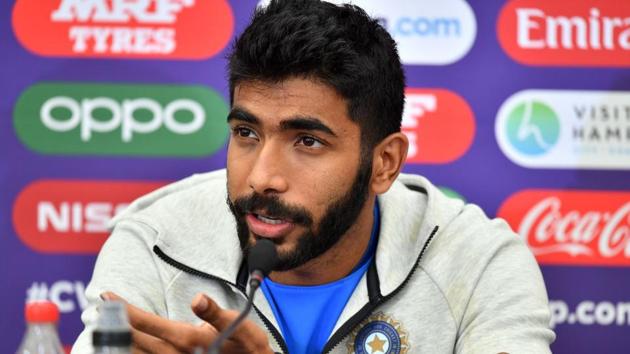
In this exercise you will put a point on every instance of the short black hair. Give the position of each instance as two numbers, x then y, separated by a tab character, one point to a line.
340	46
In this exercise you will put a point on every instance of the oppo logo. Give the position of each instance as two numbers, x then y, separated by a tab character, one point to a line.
159	29
433	116
122	116
62	216
586	33
105	119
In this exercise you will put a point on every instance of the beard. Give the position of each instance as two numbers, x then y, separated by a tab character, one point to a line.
338	217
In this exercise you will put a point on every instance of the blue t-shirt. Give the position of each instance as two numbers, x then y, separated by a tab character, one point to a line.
307	314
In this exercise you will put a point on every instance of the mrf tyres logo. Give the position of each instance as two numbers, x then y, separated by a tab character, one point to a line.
566	129
427	32
433	116
572	227
116	119
159	29
64	216
586	33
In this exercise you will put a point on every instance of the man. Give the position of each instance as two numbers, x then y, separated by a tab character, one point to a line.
371	261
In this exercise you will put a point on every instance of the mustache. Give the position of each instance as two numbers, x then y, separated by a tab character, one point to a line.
272	206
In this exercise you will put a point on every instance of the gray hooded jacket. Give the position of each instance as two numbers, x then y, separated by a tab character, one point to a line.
446	279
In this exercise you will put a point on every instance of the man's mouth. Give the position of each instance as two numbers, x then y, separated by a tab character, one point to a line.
269	220
268	226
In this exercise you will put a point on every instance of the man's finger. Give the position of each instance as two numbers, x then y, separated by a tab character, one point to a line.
144	343
248	337
182	336
142	320
136	350
208	310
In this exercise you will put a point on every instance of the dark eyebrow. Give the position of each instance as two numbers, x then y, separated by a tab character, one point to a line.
294	123
242	115
306	123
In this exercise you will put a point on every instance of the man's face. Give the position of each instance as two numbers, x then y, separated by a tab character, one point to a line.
296	175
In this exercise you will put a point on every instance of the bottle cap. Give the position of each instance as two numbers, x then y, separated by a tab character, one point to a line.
41	311
112	326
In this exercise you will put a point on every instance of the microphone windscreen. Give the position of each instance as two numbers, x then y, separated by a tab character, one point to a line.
262	257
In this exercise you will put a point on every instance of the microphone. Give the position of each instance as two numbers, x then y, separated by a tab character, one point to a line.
260	260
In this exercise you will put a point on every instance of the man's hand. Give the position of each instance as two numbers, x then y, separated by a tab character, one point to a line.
154	334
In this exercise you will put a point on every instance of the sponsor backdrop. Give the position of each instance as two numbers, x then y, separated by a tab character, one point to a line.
520	106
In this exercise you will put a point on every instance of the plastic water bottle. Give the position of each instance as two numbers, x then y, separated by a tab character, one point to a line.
41	329
112	334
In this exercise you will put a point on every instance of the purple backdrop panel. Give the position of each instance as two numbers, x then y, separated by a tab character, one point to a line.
506	106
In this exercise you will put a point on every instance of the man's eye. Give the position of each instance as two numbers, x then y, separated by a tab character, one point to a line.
309	141
244	132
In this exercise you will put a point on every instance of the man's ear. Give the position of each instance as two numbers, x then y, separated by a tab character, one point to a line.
389	157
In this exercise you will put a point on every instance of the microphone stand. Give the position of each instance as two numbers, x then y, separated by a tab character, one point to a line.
254	283
261	260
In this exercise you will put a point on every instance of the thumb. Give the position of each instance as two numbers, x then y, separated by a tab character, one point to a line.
110	295
248	337
208	310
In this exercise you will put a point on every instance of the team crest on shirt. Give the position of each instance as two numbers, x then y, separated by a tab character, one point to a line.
379	334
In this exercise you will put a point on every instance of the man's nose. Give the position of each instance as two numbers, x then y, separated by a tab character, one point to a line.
268	174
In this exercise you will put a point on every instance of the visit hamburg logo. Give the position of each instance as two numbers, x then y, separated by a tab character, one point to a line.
566	129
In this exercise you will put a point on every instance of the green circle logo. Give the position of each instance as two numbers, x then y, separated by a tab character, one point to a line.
533	128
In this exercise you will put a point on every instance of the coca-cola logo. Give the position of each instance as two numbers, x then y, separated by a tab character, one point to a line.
586	33
572	227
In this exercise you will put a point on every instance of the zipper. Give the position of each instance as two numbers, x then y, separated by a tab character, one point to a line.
270	327
366	310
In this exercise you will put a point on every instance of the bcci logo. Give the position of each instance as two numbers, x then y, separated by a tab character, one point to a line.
532	128
379	334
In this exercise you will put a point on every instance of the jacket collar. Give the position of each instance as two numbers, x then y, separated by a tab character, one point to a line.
410	211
